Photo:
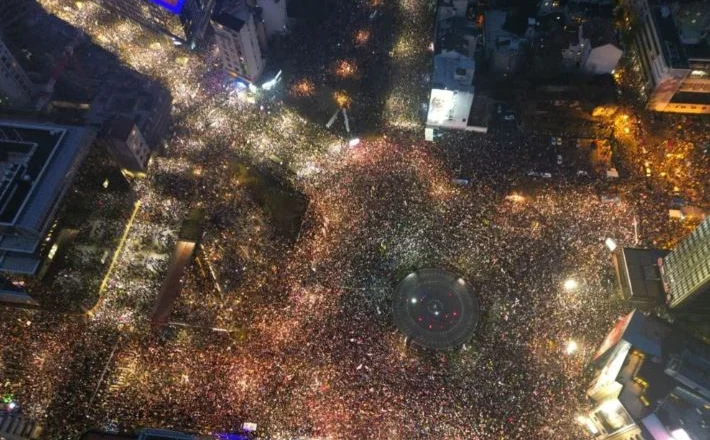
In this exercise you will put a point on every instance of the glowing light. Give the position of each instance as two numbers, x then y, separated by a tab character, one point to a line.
680	434
342	99
571	347
11	406
303	88
354	142
362	37
610	244
345	69
517	198
571	284
413	300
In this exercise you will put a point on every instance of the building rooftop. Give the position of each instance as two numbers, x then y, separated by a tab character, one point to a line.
453	71
639	275
233	15
455	41
692	19
686	270
162	434
671	45
174	6
479	114
673	414
37	161
600	31
96	435
119	128
147	104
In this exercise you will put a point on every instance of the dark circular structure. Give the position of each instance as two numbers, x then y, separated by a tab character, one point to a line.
436	308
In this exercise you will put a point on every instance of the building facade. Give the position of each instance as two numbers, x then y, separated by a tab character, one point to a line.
183	20
686	271
16	89
651	383
671	49
241	49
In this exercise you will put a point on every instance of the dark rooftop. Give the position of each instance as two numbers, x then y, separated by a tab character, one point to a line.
38	163
232	15
671	45
228	20
93	435
600	31
639	275
691	98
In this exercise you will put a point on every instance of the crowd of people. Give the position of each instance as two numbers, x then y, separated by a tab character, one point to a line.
297	336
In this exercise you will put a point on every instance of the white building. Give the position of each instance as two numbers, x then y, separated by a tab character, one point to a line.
452	91
16	89
238	40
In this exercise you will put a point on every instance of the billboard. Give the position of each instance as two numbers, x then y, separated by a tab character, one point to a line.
174	6
614	336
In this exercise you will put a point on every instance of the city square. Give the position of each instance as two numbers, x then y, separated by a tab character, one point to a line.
285	316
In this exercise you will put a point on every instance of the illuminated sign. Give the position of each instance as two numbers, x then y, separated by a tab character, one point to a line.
174	6
440	106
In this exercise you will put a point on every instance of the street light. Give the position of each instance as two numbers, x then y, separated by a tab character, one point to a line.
571	284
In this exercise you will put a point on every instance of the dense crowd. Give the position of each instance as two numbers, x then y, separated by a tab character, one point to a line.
297	336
